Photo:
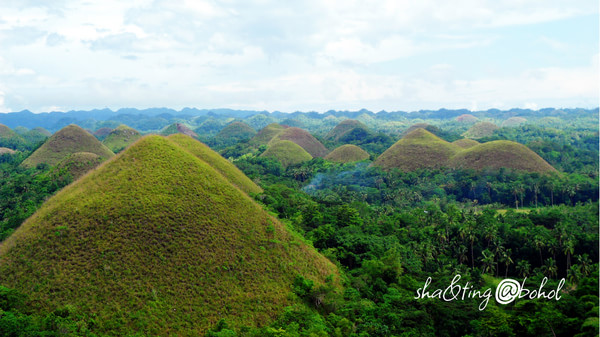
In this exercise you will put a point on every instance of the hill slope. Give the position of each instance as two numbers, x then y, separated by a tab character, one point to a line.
465	143
157	242
121	137
500	153
68	140
78	164
236	131
227	169
480	130
347	153
287	153
418	149
267	133
302	138
178	128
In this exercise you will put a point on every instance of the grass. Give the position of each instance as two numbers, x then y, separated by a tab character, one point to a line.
78	164
69	140
264	136
467	118
102	133
121	137
514	121
157	242
465	143
302	138
520	210
418	149
4	150
345	127
237	131
347	153
287	153
227	169
480	130
500	153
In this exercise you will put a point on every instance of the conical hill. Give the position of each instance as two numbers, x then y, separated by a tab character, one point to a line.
346	127
287	153
121	137
267	133
226	168
67	141
418	149
157	242
347	154
303	138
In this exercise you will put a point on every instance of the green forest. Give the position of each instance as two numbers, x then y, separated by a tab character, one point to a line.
387	229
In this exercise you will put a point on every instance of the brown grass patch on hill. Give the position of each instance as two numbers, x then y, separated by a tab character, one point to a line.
466	118
67	141
500	153
102	133
418	149
480	130
302	138
347	153
178	128
465	143
157	242
77	164
5	150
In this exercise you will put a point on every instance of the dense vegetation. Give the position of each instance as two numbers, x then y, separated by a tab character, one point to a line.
388	230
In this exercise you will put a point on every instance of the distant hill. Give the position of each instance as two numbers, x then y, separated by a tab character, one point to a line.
102	133
480	130
120	138
69	140
5	150
267	133
11	139
157	242
226	168
77	164
287	153
347	153
178	128
514	121
348	128
236	131
466	118
501	153
418	149
465	143
302	138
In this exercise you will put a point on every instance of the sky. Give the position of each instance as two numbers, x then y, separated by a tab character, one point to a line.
310	55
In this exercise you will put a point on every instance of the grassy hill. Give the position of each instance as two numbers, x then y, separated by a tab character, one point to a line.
466	118
465	143
264	136
102	133
344	128
500	153
287	153
120	138
302	138
347	153
11	139
68	140
77	164
178	128
227	169
236	131
480	130
514	121
418	149
157	242
5	150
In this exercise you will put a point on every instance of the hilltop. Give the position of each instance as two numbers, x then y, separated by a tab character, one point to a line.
120	138
465	143
178	128
157	242
466	118
287	153
69	140
480	130
302	138
10	139
349	128
514	121
226	168
501	153
418	149
102	133
264	136
236	131
347	153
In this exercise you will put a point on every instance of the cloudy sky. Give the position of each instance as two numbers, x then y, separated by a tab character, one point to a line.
298	55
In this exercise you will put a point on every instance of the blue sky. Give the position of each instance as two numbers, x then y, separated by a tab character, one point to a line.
311	55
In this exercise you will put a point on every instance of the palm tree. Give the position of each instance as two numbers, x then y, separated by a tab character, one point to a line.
523	268
585	263
489	262
568	249
550	268
467	231
507	260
